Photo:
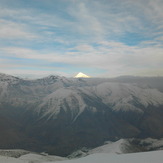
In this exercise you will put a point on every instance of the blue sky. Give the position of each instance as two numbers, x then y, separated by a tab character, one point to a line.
101	38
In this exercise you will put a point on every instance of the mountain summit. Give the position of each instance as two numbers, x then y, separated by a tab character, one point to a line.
81	75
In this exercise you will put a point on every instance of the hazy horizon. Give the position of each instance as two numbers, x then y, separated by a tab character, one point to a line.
32	77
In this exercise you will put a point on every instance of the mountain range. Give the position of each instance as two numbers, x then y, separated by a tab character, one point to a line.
60	115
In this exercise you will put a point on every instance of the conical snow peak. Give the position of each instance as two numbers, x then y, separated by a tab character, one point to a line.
81	75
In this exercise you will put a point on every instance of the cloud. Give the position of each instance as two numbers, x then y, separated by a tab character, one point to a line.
14	26
88	21
114	57
84	47
26	73
12	30
118	37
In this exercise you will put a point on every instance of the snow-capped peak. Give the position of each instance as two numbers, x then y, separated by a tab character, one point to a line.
81	75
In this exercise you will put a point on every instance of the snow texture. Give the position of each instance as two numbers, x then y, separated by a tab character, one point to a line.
13	152
122	96
31	158
36	158
4	159
151	144
111	147
64	98
144	157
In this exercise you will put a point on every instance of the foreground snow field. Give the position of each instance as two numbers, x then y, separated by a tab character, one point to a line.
30	158
22	156
143	157
4	159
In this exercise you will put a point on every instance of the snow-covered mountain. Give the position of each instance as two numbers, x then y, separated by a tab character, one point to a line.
61	114
117	97
55	93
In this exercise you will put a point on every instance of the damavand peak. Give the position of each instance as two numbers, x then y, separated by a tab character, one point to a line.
81	75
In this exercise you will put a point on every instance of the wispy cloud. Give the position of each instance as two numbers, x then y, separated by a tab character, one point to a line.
12	30
114	37
113	57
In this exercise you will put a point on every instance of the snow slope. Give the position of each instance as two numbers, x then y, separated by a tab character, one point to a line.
63	98
37	158
13	152
111	147
117	96
123	96
112	152
117	147
144	157
29	158
4	159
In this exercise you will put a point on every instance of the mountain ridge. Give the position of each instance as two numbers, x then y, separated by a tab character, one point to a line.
59	114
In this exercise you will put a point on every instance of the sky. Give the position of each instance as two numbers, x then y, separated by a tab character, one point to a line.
101	38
